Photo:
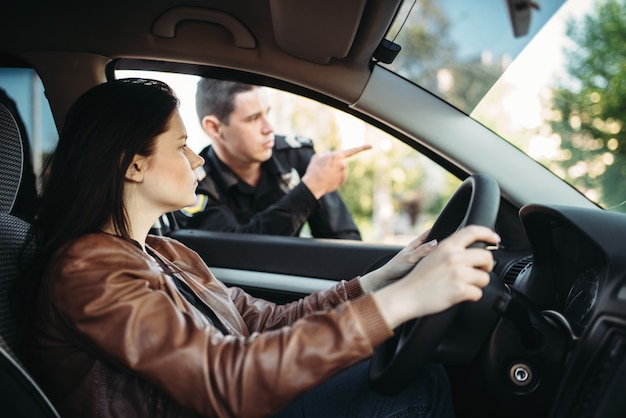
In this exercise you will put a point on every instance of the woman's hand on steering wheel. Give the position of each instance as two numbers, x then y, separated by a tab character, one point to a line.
451	274
399	265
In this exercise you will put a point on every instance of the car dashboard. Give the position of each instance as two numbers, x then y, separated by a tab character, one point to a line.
569	266
575	292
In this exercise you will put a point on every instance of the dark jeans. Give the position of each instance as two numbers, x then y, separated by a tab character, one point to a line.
348	395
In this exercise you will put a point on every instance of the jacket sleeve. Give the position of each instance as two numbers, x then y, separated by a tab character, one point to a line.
285	217
261	315
333	219
117	314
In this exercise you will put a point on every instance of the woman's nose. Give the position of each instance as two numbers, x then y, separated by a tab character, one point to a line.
195	160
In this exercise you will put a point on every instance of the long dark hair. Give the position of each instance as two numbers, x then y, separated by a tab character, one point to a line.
84	179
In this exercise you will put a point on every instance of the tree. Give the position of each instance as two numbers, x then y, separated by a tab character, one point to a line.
425	45
589	108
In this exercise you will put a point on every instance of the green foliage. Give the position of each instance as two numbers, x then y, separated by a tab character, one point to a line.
425	46
472	80
589	106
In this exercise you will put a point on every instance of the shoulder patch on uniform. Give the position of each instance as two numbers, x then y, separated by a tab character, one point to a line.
198	207
291	141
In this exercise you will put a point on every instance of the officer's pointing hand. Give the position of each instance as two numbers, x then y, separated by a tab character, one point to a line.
346	153
327	170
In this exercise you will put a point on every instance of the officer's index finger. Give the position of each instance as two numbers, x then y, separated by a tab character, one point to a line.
352	151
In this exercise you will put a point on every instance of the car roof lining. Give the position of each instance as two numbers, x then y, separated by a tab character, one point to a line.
259	40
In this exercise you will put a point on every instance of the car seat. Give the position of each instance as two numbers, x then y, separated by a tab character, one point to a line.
26	200
20	396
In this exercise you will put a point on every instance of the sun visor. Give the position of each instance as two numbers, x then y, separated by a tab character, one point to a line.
316	30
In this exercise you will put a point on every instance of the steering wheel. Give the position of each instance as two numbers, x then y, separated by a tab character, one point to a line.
396	362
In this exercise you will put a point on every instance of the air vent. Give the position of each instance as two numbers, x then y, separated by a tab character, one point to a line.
601	395
517	267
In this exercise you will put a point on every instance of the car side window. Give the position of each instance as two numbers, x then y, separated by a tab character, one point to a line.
392	191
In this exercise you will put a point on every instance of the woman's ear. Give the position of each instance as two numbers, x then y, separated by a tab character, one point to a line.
136	169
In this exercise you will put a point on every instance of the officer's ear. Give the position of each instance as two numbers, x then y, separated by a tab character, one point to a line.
212	126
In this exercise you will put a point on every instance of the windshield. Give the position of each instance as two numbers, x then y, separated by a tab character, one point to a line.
557	93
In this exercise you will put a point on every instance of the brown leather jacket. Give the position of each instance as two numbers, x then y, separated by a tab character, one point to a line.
113	337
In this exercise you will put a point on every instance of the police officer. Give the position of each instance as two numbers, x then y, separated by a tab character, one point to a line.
256	182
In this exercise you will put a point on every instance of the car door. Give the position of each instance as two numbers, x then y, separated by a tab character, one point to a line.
282	269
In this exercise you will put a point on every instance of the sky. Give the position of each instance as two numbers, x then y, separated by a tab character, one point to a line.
480	23
541	64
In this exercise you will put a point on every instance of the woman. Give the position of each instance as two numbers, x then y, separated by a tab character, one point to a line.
127	324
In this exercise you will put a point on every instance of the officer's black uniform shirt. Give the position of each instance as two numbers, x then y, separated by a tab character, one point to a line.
279	205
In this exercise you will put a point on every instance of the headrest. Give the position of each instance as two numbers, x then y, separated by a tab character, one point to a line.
11	159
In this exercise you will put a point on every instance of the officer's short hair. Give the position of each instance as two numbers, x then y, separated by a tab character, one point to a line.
217	97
